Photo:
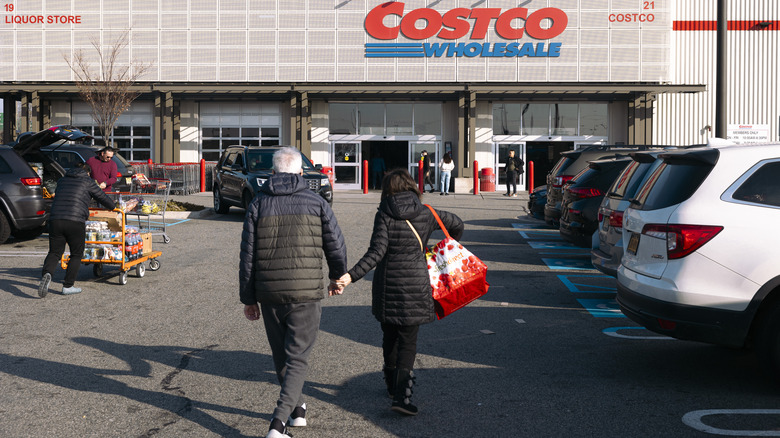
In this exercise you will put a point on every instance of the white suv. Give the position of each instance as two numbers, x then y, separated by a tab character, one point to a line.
701	260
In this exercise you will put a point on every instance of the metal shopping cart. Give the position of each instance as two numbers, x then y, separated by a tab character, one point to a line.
147	202
110	241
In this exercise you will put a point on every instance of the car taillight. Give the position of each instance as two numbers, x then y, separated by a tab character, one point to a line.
119	175
559	181
585	192
603	212
616	219
682	240
31	181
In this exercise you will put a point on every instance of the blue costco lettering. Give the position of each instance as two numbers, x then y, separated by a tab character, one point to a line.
470	50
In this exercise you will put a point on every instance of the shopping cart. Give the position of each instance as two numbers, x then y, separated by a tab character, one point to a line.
110	241
147	202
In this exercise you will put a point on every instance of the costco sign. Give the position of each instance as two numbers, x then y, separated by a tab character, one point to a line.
461	22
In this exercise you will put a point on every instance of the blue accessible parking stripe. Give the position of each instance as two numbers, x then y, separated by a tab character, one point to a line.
585	283
553	245
568	264
605	308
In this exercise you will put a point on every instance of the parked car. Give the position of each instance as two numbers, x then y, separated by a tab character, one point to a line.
570	164
68	155
241	170
606	255
582	198
536	201
28	182
701	260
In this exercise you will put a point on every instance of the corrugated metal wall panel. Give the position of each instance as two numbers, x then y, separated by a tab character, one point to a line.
753	96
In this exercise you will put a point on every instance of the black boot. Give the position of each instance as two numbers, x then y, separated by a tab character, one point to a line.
389	380
402	397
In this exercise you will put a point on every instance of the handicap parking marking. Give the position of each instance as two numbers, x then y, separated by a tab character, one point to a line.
535	227
585	283
613	331
694	420
602	308
568	264
537	235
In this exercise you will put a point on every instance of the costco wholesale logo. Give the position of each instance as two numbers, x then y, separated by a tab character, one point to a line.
459	22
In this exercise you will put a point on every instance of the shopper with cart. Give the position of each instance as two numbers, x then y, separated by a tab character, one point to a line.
67	224
103	168
287	230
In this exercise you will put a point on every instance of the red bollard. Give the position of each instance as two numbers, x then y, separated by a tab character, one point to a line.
530	176
202	175
149	161
420	182
476	178
365	177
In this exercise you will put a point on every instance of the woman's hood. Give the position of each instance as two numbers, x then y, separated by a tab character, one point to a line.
404	205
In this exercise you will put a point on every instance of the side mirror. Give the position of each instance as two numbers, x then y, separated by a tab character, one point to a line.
318	167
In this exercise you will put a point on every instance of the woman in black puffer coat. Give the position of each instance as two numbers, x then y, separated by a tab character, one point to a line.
402	297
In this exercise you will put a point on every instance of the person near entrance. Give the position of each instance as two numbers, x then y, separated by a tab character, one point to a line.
103	168
427	171
287	231
513	168
446	165
378	169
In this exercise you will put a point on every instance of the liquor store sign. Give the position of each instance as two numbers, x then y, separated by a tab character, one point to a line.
420	24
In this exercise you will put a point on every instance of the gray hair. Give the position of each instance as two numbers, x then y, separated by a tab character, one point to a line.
287	160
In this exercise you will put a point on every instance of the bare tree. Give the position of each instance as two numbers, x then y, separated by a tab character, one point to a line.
108	88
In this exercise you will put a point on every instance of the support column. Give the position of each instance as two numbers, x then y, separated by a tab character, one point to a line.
9	118
35	112
305	126
176	127
640	119
472	134
24	117
461	157
295	121
158	127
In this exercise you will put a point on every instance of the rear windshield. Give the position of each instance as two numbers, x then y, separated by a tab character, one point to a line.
561	165
630	180
671	184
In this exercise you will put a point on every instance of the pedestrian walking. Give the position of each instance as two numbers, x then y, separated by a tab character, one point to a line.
103	168
68	225
402	297
446	165
426	169
513	167
287	230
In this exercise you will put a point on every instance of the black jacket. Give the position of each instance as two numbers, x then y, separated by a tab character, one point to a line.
287	229
514	164
74	192
401	291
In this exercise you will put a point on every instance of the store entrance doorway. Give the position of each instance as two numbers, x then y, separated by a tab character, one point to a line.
545	154
394	154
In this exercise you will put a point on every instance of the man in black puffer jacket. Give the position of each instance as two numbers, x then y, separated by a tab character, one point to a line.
67	224
287	230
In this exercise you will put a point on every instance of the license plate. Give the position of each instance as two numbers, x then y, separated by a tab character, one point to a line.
127	180
633	243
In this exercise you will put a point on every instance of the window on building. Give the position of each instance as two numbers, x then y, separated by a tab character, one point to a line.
535	119
342	118
371	119
506	118
385	119
564	119
132	131
427	119
593	119
399	118
225	124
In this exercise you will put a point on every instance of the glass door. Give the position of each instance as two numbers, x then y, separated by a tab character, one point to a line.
501	152
346	165
415	152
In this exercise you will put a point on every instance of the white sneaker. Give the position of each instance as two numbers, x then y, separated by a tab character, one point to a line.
273	430
273	433
298	417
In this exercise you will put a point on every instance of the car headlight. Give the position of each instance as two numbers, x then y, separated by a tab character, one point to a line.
260	181
325	182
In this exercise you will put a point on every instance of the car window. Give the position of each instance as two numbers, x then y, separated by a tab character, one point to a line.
762	187
230	159
671	183
120	160
239	160
4	166
618	188
560	165
260	160
66	159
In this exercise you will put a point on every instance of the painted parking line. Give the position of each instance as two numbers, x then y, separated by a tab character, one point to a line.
694	420
537	227
602	308
568	264
588	283
613	331
553	245
537	235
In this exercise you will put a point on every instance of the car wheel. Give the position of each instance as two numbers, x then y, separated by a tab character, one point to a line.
246	199
28	234
768	341
219	203
5	228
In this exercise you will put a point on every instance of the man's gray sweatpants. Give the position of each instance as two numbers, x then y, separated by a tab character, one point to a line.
291	330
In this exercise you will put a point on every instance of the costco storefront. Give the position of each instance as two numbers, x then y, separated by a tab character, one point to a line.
349	81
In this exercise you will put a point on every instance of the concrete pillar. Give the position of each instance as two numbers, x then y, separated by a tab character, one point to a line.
640	119
9	118
305	126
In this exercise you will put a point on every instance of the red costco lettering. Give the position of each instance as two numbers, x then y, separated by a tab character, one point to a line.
455	23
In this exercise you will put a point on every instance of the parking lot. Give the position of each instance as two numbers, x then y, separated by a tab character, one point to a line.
545	353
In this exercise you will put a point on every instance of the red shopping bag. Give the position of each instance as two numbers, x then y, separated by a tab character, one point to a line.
458	277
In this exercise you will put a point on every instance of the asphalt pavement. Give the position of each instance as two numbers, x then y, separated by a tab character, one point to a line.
543	354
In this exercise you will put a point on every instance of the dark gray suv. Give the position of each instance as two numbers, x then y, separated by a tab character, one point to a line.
241	170
28	182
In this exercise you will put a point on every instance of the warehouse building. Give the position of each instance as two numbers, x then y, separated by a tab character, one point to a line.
350	80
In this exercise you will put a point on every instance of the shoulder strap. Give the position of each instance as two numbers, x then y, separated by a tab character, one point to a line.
415	234
446	234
